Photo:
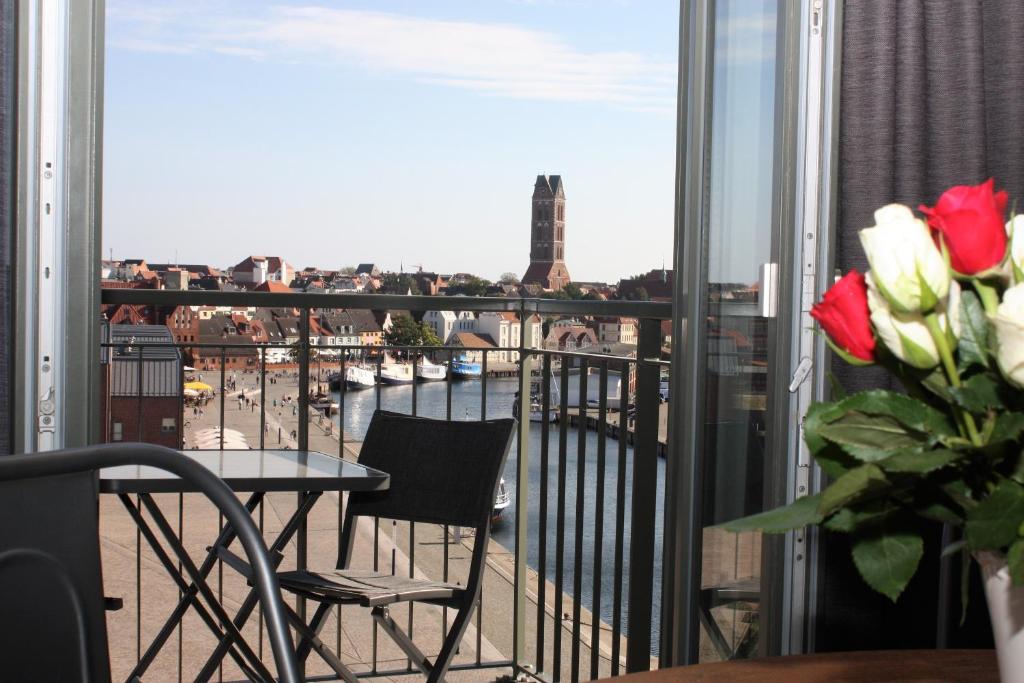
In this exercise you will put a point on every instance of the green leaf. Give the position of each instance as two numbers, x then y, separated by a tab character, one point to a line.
939	511
1015	558
919	462
909	411
1018	470
799	513
847	520
871	437
993	523
978	394
888	558
973	346
857	483
1008	427
830	457
937	383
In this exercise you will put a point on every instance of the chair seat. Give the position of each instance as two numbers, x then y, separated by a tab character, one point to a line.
366	587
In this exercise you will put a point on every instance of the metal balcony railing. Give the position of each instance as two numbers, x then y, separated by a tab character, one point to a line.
582	535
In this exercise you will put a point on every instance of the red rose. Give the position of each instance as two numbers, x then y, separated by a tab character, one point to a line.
971	221
843	314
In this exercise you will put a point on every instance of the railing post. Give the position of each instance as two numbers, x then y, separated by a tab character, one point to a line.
645	491
303	445
522	497
303	428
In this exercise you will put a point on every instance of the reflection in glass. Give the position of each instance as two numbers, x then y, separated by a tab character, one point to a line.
739	242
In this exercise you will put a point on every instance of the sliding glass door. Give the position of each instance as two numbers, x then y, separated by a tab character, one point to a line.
739	299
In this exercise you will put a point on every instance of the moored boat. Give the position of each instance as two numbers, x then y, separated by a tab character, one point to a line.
358	377
464	369
501	501
396	373
430	372
324	404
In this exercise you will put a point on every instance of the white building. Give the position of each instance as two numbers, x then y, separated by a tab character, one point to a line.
447	323
504	329
612	330
255	270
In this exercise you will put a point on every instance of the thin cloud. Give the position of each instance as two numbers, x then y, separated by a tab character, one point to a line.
493	59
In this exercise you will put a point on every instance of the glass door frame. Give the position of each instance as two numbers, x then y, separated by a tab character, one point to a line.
806	67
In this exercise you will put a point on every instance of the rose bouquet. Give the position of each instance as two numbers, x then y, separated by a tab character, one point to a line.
942	309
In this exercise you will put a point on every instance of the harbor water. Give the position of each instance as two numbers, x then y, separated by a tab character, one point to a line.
466	403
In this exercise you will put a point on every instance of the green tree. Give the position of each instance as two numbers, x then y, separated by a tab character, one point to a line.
347	270
573	291
509	278
474	286
398	283
407	332
293	352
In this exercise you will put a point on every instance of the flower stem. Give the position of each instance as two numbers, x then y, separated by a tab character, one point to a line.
988	294
946	354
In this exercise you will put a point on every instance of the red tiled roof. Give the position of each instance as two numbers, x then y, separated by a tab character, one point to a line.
472	340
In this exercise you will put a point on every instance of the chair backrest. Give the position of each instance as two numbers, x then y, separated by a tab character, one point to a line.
441	472
52	621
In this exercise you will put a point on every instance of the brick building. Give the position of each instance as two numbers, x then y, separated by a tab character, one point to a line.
547	235
141	403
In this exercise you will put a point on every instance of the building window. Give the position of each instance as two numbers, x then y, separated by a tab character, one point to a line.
117	431
169	425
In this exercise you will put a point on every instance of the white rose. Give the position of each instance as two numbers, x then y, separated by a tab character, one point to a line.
1015	229
909	269
1009	324
906	335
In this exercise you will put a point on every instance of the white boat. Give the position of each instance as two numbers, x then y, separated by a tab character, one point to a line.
431	372
325	405
396	373
501	501
358	377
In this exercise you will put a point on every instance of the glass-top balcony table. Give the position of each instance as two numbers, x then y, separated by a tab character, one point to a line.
256	472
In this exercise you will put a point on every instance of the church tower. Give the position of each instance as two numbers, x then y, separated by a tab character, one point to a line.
547	235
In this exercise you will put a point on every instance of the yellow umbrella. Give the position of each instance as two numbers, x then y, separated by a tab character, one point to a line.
198	386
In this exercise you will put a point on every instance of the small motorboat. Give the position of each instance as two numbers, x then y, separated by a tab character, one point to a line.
431	372
358	377
501	501
323	403
464	369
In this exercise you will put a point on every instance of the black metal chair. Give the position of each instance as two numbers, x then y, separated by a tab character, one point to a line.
441	473
52	621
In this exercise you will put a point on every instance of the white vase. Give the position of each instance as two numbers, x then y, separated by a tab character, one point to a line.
1006	610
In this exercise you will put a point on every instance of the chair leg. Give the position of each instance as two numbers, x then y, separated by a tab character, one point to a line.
383	617
307	634
451	642
316	624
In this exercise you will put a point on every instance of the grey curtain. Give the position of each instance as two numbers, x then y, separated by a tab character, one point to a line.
932	95
8	104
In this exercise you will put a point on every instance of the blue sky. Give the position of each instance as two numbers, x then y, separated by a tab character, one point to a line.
390	131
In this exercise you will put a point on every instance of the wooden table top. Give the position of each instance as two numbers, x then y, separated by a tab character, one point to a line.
975	666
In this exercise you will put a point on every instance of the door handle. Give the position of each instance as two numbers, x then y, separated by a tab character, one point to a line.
768	291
